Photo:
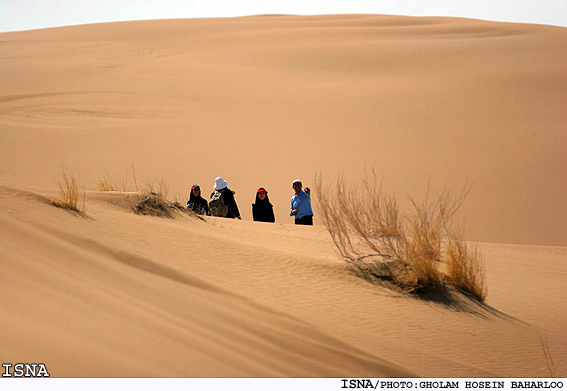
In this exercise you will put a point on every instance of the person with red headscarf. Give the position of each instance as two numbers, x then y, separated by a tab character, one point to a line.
262	209
196	202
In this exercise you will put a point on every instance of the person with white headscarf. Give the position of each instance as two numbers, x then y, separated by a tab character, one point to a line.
223	195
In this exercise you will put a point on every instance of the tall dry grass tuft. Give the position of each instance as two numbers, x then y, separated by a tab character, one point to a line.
380	242
464	267
106	184
69	195
156	187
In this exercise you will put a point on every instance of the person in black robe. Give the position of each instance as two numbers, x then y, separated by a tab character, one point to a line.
196	202
262	209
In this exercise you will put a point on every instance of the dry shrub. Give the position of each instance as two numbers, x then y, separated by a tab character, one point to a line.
153	202
69	195
379	242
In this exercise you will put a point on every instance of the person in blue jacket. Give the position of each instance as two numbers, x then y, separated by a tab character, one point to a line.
301	204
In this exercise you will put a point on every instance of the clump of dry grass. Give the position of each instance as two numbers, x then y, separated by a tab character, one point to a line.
69	195
108	184
464	267
105	186
406	250
153	202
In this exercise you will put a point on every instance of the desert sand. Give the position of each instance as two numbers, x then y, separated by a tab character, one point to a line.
428	103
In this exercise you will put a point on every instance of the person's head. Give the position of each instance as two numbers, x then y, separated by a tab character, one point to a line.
297	185
220	183
195	191
261	194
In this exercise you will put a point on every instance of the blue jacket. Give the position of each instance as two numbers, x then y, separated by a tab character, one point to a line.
301	202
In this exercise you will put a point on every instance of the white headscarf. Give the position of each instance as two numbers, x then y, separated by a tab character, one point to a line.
220	183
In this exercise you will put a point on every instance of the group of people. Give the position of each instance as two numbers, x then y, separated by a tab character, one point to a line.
222	203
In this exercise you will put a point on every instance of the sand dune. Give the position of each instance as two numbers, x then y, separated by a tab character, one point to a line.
262	100
427	102
117	294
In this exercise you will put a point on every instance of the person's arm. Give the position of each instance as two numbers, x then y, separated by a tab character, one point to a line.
294	205
232	204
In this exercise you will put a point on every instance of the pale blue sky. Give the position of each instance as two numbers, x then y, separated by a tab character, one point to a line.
33	14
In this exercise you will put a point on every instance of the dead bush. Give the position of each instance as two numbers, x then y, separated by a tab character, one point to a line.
405	249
